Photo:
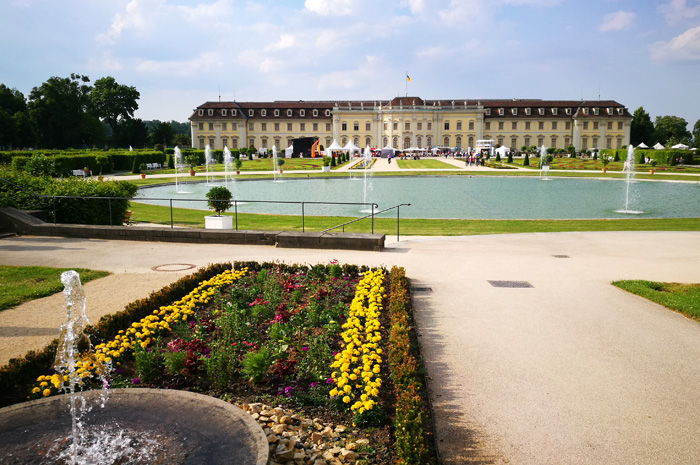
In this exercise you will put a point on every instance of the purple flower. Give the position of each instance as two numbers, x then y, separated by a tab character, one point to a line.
305	348
135	381
313	384
329	381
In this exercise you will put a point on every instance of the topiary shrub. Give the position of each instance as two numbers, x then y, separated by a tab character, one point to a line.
219	199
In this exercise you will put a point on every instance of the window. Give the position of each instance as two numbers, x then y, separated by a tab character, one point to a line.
446	141
234	143
211	126
224	126
527	125
610	111
584	143
385	126
201	142
328	127
315	127
540	141
447	125
234	126
277	112
541	111
234	112
568	111
487	112
328	113
458	142
277	127
500	125
201	126
419	141
528	111
343	126
302	112
385	141
619	126
459	125
200	112
263	112
328	141
277	142
501	111
620	111
487	125
540	126
608	143
407	126
315	113
251	112
395	142
595	111
553	141
263	141
355	126
289	113
419	126
211	142
595	142
514	126
223	112
619	142
585	111
302	127
514	142
396	126
289	127
526	141
430	125
595	125
567	141
567	125
251	142
585	125
429	141
555	111
514	111
210	112
609	125
368	141
500	140
470	141
406	142
471	125
554	125
251	126
263	126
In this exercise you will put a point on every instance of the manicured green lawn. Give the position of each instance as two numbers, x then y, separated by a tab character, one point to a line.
424	164
22	283
683	298
419	227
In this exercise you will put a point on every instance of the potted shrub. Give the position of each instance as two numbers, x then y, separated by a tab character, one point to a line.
653	164
142	168
238	163
219	200
280	162
193	161
326	164
605	160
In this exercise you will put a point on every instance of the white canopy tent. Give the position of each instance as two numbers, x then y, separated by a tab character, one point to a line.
350	147
288	151
642	146
658	146
333	146
680	147
503	151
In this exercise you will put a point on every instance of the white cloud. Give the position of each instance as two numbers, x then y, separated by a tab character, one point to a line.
416	6
685	47
202	63
617	21
331	7
677	10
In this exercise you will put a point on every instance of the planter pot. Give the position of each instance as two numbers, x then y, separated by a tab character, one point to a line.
191	172
218	222
651	171
605	170
325	169
280	171
238	171
143	176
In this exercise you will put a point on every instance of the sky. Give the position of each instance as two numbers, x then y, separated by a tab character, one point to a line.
179	54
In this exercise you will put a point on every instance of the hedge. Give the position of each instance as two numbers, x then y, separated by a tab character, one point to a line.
24	191
660	156
104	161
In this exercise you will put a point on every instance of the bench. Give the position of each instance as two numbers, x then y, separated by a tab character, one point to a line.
78	173
153	166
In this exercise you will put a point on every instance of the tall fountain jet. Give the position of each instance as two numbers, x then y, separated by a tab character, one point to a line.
629	180
544	166
276	175
208	159
228	163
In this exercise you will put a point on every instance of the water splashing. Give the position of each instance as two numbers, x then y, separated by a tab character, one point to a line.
629	180
208	159
544	165
228	163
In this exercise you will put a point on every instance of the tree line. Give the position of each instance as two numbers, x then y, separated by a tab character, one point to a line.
70	113
667	130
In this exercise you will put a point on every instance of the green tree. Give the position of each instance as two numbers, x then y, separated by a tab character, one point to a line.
130	133
111	101
58	110
13	118
641	128
671	130
696	133
162	134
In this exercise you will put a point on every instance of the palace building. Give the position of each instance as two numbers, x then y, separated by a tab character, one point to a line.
406	122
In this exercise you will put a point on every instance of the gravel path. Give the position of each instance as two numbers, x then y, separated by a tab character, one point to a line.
570	370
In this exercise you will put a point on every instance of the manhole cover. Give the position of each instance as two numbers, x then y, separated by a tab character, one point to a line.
560	256
174	267
522	284
421	289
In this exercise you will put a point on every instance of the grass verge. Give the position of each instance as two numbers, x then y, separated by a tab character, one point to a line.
683	298
20	284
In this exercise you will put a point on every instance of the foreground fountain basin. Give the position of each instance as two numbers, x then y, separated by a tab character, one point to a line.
190	428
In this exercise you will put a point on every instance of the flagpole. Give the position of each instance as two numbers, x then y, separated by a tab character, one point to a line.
406	83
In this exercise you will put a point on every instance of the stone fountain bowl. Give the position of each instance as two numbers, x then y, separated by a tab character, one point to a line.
178	427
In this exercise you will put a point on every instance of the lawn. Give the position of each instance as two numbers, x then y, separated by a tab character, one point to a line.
683	298
424	164
23	283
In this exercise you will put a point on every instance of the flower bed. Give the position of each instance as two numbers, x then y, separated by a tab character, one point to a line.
310	339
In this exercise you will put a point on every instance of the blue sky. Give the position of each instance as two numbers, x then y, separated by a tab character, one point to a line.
179	53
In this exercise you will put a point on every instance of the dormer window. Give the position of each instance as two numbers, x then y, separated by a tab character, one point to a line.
302	113
277	112
234	112
514	111
528	111
251	112
210	112
223	112
585	111
289	113
263	112
568	111
200	112
610	111
328	113
555	111
595	111
315	112
487	111
500	111
541	111
620	111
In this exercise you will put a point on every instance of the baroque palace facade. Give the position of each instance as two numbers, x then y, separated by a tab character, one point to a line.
413	122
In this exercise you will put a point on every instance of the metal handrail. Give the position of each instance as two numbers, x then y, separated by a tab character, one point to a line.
373	214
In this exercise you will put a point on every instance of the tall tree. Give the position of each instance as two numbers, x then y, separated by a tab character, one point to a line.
14	130
130	132
671	130
696	134
58	109
112	101
162	134
641	129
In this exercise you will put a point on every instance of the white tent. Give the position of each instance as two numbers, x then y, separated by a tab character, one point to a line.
503	151
642	146
680	147
351	147
288	151
333	146
658	146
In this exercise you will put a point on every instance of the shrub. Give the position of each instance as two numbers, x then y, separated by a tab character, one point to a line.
256	364
219	199
40	165
526	160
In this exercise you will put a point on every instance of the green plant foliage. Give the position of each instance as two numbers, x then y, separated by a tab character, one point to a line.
219	199
255	365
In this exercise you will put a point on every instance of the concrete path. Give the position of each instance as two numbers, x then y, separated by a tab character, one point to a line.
569	371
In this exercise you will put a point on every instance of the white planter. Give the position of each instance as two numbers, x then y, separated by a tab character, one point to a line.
218	222
325	169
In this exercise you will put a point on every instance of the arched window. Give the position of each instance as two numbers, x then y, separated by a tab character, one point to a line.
385	141
459	142
419	141
428	142
356	141
344	141
406	142
446	141
470	142
395	142
368	141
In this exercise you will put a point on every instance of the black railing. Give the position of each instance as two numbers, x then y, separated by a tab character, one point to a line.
373	214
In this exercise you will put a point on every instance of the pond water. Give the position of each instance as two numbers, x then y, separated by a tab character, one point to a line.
451	197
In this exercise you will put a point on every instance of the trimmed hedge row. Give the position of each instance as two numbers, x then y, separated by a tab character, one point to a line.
405	372
20	195
660	156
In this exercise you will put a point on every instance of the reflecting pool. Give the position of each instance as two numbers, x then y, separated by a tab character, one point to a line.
463	197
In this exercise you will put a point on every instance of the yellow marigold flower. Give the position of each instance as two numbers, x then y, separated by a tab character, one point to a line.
46	392
346	399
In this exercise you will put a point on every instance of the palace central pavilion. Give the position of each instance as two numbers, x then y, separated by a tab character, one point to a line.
406	122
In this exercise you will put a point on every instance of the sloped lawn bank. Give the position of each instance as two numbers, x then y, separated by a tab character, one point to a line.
323	357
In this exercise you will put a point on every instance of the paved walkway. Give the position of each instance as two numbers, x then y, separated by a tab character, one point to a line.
569	371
